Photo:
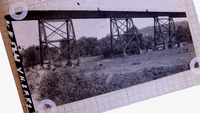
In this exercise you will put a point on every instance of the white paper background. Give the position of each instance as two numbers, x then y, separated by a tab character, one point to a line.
184	101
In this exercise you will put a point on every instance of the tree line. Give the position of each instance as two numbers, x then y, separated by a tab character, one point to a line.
92	46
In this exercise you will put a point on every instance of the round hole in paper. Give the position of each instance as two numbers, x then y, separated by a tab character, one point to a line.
51	106
194	64
18	10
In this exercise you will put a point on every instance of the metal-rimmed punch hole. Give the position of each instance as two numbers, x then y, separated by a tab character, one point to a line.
194	65
18	10
49	104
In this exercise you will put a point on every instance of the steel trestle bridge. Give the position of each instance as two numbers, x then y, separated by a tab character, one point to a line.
122	30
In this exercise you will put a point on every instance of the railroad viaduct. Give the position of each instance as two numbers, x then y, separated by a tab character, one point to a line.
122	29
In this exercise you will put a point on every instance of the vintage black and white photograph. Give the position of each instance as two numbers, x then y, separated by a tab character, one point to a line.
74	50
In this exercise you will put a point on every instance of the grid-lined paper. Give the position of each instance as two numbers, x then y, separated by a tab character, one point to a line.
118	98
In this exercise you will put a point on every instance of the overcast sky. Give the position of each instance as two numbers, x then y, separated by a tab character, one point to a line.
27	31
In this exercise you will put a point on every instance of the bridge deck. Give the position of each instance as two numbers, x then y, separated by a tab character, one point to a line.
64	14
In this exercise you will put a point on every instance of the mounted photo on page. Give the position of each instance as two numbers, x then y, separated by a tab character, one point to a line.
92	56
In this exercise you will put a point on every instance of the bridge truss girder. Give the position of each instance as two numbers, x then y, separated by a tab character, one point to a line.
62	45
123	36
165	33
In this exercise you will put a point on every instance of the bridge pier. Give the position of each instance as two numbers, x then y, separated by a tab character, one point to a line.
124	37
57	42
165	33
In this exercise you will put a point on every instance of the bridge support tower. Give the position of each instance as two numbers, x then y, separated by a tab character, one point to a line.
165	33
124	36
57	42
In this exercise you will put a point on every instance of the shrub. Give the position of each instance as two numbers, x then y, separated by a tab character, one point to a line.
31	57
120	81
67	86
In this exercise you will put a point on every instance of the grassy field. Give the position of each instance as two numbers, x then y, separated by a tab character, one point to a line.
136	63
65	85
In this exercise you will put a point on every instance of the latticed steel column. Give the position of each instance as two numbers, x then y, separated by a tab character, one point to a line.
158	35
173	36
44	45
116	42
72	49
40	41
123	36
165	33
68	42
57	42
